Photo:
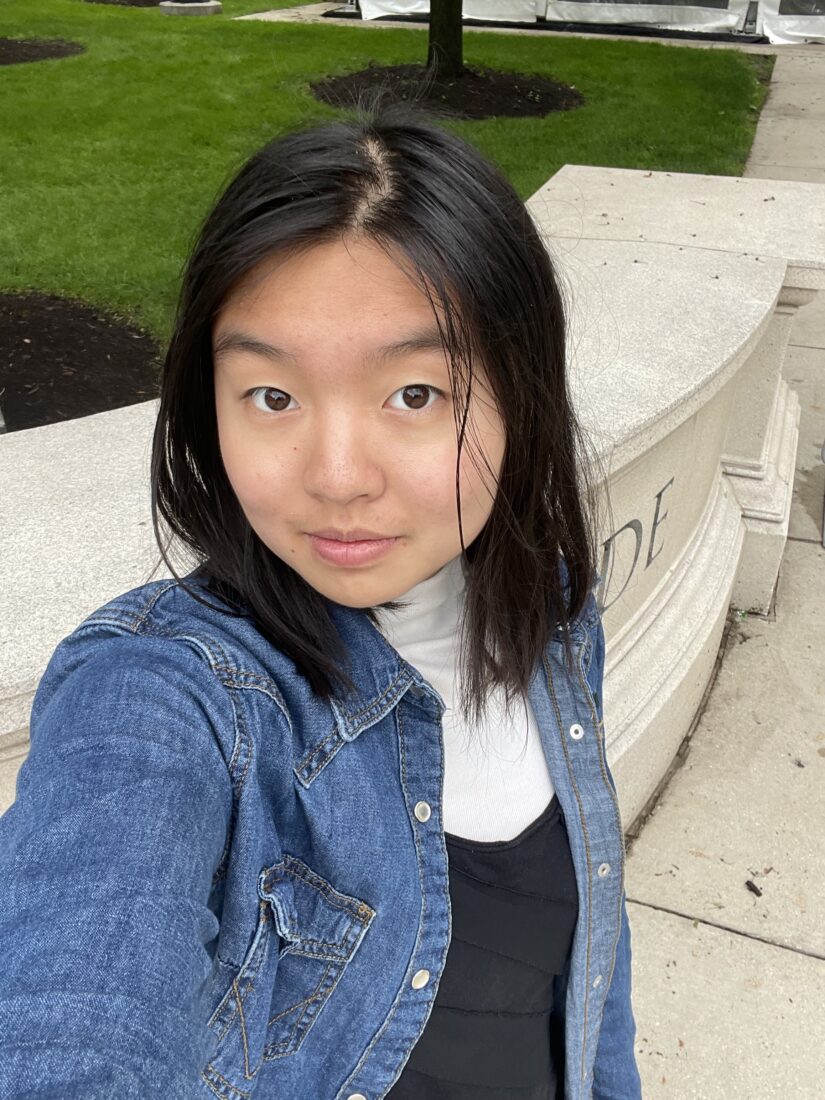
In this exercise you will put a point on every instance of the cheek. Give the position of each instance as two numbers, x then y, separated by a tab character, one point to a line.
481	450
251	474
425	482
474	495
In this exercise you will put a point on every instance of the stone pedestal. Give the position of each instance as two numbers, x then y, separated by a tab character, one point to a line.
759	457
199	7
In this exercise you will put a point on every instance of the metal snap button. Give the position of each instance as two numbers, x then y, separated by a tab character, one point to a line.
416	691
604	869
420	979
597	981
576	731
422	811
356	1096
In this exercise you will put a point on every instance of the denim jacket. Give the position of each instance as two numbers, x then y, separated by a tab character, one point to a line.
215	884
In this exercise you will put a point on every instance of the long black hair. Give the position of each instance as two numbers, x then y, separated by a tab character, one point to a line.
395	175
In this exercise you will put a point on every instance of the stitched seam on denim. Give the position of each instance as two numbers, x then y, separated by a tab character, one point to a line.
306	771
602	760
242	741
298	1004
304	768
320	953
212	650
212	1088
376	703
355	909
255	680
402	990
299	869
134	620
150	606
233	1090
599	741
92	625
242	1023
248	970
230	1018
552	690
294	1039
216	654
223	1008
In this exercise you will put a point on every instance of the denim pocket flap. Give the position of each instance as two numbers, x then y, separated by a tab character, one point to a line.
313	918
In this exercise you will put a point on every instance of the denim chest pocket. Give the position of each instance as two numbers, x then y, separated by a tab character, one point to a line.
306	933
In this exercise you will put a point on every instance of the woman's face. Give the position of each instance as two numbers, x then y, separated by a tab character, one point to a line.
346	420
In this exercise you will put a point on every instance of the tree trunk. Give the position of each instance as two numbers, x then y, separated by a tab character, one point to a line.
445	50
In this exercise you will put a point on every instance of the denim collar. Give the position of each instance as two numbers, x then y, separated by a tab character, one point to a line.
381	676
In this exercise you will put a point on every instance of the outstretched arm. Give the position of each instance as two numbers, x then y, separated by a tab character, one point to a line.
106	861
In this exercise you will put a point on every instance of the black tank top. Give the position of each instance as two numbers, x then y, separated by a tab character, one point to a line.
492	1033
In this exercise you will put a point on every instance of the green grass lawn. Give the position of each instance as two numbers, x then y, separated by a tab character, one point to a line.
109	160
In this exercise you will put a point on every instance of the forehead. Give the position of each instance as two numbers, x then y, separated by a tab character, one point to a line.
330	276
346	296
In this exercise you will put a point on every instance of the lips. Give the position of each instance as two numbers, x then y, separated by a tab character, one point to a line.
353	553
357	534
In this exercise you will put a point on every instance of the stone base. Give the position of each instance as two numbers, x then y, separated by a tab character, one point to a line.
658	665
202	7
766	507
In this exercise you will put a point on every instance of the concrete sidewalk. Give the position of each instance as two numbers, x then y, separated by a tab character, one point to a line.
729	978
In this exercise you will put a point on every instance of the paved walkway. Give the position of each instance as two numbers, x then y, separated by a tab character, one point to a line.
729	984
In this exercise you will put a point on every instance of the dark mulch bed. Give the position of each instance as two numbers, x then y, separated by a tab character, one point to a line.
61	359
481	92
16	51
127	3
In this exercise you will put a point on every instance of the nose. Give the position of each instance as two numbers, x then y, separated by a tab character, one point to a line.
341	461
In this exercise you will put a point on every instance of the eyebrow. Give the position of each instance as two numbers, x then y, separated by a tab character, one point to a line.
426	339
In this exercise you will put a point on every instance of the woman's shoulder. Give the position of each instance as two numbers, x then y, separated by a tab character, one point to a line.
171	614
149	607
176	644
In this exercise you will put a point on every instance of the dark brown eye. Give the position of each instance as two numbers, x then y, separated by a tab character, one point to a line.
274	399
419	395
275	403
416	398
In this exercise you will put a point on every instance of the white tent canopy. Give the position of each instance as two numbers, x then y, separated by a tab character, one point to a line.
780	21
517	11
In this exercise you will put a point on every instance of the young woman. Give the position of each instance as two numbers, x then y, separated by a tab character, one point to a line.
330	816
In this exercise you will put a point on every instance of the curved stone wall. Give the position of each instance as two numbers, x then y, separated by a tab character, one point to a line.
682	292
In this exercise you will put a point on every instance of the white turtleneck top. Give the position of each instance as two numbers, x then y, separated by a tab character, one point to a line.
496	780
